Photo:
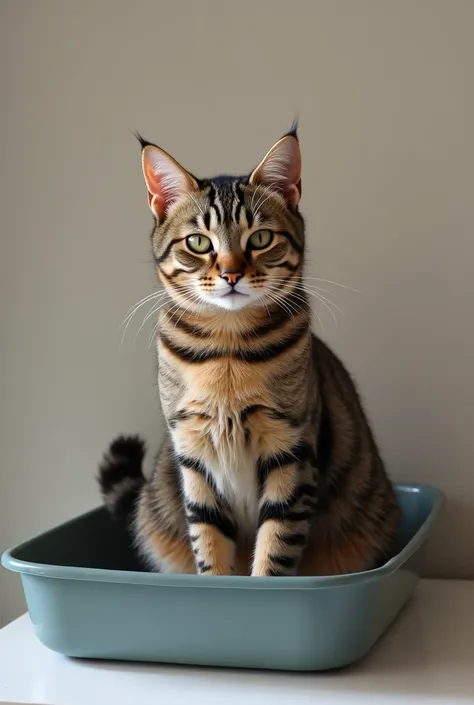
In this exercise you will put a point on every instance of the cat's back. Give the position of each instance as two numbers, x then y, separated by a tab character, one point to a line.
342	409
358	512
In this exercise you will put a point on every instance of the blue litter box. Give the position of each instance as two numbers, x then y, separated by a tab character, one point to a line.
88	597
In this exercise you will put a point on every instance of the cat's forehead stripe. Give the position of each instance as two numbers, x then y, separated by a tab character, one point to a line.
239	202
226	200
212	202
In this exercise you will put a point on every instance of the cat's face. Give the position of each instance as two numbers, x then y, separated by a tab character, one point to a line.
227	242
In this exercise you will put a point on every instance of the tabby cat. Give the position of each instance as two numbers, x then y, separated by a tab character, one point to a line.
268	466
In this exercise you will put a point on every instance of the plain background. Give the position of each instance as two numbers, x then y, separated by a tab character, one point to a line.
384	91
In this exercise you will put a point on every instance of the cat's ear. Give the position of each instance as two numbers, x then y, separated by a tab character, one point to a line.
280	169
165	179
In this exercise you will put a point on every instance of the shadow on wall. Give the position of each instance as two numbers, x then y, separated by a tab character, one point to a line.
456	516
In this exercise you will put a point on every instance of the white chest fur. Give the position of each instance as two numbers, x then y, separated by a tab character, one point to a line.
219	440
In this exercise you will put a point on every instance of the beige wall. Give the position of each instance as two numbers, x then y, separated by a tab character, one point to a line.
385	95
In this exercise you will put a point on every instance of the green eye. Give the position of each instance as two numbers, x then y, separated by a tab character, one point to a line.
260	239
199	243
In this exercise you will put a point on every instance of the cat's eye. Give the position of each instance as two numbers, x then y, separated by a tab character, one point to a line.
199	243
260	239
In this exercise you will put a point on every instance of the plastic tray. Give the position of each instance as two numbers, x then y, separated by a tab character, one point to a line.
88	597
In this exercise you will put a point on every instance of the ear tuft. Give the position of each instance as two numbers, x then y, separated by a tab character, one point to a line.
293	131
280	169
166	180
142	140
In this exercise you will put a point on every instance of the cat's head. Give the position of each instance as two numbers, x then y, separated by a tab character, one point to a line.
227	242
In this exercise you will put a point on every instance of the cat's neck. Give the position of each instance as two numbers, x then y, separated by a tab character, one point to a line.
246	323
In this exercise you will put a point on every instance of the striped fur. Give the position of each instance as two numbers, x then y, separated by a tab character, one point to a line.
269	466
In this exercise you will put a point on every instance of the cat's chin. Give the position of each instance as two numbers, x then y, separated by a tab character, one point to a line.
233	301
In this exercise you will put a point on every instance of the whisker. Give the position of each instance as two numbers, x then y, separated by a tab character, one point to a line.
296	283
196	203
323	300
266	189
262	203
194	298
261	196
329	309
154	331
302	282
154	309
297	296
314	291
128	320
303	278
273	298
131	312
319	318
301	298
285	305
329	281
320	321
310	289
251	202
145	298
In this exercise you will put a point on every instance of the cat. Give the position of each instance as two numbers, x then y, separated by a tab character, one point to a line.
269	466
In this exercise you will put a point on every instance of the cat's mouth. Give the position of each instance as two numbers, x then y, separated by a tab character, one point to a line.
232	300
234	294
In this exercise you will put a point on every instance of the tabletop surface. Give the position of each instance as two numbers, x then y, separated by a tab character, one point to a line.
426	657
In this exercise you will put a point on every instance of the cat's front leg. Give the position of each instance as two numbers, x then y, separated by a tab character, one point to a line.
287	503
212	530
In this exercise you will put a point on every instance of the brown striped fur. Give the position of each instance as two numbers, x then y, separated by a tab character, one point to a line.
269	466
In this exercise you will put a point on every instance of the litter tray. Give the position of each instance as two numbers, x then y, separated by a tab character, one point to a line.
88	597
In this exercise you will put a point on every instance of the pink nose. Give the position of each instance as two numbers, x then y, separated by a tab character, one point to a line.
231	277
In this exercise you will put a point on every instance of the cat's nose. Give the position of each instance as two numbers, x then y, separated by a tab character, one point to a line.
231	277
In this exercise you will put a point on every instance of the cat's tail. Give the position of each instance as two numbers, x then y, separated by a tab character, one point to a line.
121	477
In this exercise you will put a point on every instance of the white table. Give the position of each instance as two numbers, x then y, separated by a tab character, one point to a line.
427	657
